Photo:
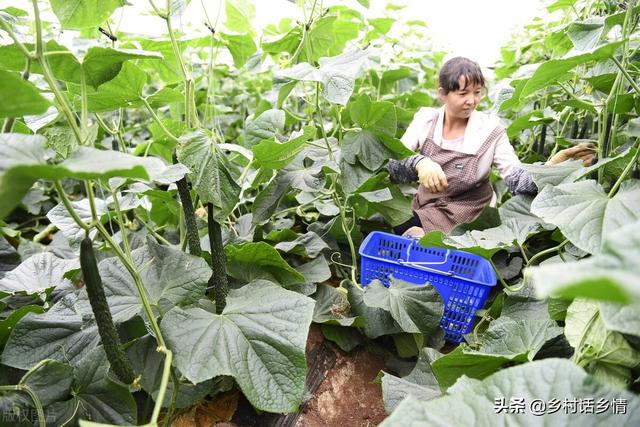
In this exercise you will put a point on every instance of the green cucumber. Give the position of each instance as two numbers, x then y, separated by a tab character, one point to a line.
218	280
108	333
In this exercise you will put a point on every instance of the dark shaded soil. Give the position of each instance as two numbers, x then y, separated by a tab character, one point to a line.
346	397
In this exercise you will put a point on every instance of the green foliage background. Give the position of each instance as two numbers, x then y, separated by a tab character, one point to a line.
285	145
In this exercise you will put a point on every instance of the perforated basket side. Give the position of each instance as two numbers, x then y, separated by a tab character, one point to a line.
460	307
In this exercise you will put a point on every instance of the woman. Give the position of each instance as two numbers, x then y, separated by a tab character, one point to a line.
457	147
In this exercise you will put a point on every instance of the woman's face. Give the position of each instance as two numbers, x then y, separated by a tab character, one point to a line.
461	103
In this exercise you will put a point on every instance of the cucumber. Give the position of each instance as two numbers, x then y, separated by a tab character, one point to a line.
218	280
193	238
108	333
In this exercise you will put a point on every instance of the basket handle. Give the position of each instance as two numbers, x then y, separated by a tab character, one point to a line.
419	266
418	263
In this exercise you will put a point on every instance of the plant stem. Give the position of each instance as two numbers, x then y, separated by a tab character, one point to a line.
324	134
44	233
174	397
524	254
48	75
36	401
8	124
5	26
163	384
626	75
84	113
157	120
502	282
69	207
138	282
92	201
123	227
546	252
347	232
625	172
154	233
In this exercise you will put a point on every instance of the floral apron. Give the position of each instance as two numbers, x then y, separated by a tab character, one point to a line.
466	195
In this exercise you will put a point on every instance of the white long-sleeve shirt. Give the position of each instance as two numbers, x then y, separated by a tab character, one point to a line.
480	125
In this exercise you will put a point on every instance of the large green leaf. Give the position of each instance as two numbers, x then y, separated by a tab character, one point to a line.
267	200
621	318
332	307
612	275
585	214
124	90
78	14
548	72
585	35
375	116
516	214
25	98
396	210
241	47
287	42
562	173
210	175
170	277
518	340
529	120
273	154
23	160
259	260
102	64
259	339
307	171
308	245
587	333
62	219
149	363
94	395
321	39
9	257
38	273
240	14
366	147
266	126
420	383
337	73
9	323
50	381
480	242
488	403
377	321
517	225
416	308
340	72
58	334
452	366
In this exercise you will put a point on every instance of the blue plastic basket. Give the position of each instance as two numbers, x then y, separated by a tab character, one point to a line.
463	280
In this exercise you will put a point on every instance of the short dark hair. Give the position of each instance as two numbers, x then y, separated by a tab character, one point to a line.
457	67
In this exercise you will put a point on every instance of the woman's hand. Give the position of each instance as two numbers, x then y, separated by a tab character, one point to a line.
430	175
583	151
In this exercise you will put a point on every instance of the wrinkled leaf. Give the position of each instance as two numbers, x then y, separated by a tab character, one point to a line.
259	339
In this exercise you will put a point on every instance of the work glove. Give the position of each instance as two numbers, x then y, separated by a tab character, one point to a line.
583	151
430	175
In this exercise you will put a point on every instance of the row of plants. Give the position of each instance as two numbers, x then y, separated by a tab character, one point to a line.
177	212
